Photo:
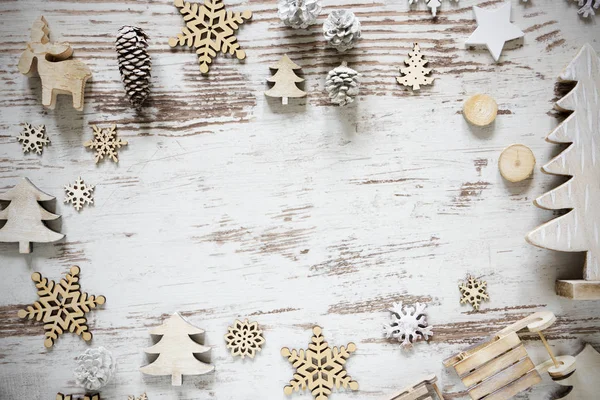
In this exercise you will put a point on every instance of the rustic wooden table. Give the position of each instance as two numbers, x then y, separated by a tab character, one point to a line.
226	204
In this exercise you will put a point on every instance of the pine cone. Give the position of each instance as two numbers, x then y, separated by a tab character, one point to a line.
342	85
134	63
94	368
299	13
341	29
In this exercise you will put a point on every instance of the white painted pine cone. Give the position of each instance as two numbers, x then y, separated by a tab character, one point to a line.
299	14
94	369
341	29
135	64
342	85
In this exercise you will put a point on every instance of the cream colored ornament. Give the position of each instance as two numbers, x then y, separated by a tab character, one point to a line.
473	291
79	194
584	380
426	389
106	143
209	29
24	217
480	110
500	368
579	229
33	138
176	349
414	74
516	163
58	74
285	80
244	339
320	368
142	397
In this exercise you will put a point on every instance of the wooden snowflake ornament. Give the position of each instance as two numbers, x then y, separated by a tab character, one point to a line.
61	306
408	324
33	138
244	339
414	74
320	368
578	229
209	29
79	194
106	143
473	291
494	29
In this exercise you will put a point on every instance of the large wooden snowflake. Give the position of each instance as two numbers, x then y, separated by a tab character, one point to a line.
319	368
61	306
106	143
209	29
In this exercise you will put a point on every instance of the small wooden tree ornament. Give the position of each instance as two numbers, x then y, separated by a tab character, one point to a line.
584	380
578	229
24	217
480	110
176	350
415	74
426	389
58	74
516	163
501	368
285	80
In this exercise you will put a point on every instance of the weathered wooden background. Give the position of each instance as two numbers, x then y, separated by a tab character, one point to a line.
226	204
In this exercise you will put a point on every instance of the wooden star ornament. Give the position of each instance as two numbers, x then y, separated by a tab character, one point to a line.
494	29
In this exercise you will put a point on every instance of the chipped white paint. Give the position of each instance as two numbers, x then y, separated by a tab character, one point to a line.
225	205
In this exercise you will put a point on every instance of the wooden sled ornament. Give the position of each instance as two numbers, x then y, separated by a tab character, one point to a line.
425	390
500	368
584	379
59	75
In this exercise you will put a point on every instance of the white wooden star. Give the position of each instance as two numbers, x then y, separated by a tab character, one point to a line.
494	29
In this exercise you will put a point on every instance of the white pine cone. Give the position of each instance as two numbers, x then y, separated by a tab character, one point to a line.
299	14
341	29
135	64
94	369
342	85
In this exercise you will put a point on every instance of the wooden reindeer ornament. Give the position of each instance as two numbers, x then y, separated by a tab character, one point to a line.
59	75
500	368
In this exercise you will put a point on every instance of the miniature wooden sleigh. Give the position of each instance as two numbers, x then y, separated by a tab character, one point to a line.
425	390
501	368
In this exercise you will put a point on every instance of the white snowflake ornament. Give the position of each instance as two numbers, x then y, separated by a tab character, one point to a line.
433	4
473	292
408	324
33	138
79	194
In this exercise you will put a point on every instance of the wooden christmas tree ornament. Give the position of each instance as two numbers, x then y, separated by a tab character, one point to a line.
578	229
61	306
176	349
320	368
415	73
516	163
501	368
58	74
24	217
285	80
426	389
584	380
209	29
480	110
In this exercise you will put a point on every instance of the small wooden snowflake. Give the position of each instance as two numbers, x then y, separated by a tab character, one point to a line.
473	291
61	306
106	143
244	339
33	138
79	194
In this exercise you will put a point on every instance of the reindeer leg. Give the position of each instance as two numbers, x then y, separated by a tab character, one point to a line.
48	97
78	97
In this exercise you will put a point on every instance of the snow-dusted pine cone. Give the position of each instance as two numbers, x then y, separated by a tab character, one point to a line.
341	29
342	84
134	63
94	368
299	14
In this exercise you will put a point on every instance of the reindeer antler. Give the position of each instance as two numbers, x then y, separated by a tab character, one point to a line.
40	31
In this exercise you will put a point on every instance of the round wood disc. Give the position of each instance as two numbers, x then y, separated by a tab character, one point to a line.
480	110
516	163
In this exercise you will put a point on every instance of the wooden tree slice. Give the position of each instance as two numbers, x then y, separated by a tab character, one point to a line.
516	163
480	110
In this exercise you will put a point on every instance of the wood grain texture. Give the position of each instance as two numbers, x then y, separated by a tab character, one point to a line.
226	205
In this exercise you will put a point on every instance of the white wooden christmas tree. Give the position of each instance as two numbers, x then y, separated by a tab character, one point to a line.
24	217
285	80
579	229
176	351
